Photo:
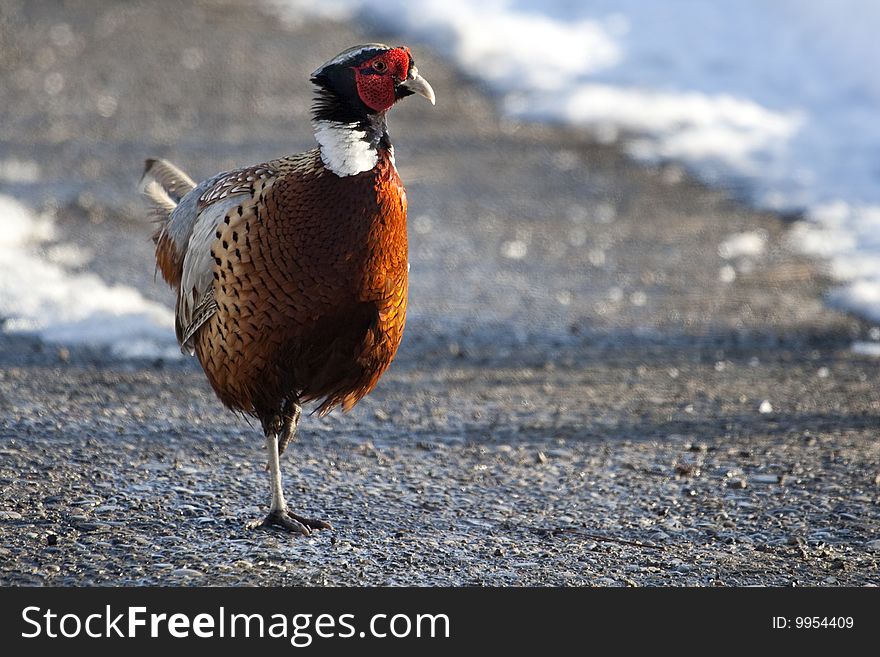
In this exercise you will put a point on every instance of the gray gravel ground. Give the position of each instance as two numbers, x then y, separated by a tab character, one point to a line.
584	413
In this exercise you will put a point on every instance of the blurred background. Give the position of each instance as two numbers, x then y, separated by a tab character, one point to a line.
775	104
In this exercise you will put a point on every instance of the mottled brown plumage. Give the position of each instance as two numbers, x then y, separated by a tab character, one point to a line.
292	274
311	295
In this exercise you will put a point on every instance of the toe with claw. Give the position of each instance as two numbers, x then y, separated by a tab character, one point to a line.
290	521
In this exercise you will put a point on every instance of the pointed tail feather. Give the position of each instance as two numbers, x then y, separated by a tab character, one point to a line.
162	203
165	185
173	182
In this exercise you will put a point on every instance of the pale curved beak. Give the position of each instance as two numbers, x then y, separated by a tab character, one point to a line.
419	85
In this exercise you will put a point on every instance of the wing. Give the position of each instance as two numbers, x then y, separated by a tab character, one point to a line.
195	223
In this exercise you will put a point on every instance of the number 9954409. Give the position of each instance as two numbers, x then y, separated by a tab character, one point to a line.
823	622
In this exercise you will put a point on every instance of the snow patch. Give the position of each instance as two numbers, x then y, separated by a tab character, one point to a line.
41	296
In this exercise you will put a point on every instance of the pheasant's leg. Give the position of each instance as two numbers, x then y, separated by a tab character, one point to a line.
291	413
279	515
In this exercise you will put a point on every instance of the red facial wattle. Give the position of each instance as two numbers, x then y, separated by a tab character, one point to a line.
375	79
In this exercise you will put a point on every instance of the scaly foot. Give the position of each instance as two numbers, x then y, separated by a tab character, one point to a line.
290	521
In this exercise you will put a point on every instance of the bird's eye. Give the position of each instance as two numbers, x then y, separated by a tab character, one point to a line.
379	66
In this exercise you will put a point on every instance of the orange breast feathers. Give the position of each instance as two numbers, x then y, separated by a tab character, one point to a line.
388	262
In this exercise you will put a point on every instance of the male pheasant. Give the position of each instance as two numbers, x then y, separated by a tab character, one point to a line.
291	275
